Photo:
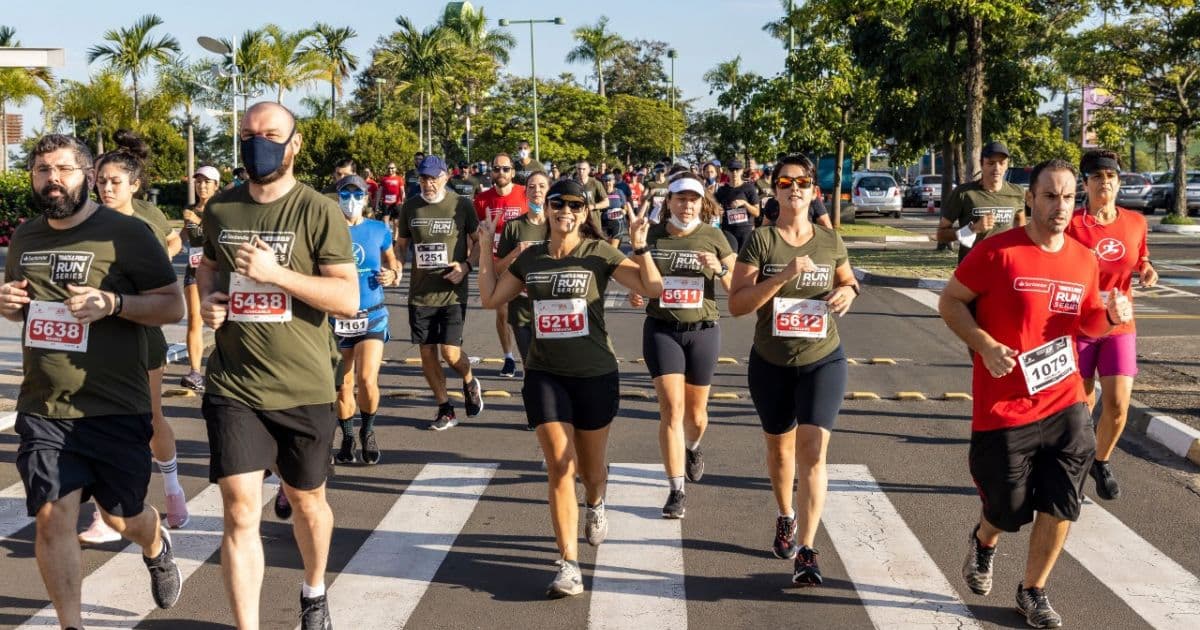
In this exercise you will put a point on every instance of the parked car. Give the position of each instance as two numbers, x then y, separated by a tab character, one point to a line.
1135	193
1162	191
1193	194
875	192
924	188
1019	175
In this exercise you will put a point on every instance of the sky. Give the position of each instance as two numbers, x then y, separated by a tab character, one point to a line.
704	32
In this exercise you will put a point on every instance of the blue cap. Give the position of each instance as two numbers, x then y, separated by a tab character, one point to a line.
432	166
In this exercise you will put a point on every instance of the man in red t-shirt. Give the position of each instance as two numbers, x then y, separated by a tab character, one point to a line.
372	190
1034	291
502	202
391	195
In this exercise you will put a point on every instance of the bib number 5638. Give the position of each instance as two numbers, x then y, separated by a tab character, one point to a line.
51	326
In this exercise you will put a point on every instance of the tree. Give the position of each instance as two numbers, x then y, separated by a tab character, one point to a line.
596	45
643	128
469	27
726	77
337	62
325	142
17	85
101	106
131	51
416	61
570	121
374	146
287	62
637	70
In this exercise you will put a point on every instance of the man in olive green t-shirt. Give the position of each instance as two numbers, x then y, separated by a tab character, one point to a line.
277	261
983	207
597	195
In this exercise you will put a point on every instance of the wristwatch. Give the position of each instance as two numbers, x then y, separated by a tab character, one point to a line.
724	271
638	251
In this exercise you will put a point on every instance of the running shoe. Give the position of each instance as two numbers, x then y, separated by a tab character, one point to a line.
595	526
177	511
1033	603
784	545
98	532
977	568
806	572
674	507
445	419
314	613
165	581
193	381
568	581
283	507
695	464
1106	484
473	395
510	368
345	454
370	448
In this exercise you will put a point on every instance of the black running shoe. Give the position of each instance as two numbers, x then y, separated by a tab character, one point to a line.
1106	484
314	613
473	395
370	449
510	368
345	455
1033	603
283	507
977	568
445	419
785	538
695	464
676	505
165	581
806	572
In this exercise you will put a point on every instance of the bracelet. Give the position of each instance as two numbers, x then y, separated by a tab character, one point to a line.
638	251
1108	316
724	271
119	301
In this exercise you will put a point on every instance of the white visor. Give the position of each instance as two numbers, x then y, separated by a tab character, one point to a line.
686	183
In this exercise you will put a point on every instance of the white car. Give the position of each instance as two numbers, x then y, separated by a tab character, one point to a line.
875	192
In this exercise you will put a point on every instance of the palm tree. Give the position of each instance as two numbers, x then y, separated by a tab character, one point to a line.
287	64
131	51
337	61
470	28
180	84
18	85
724	77
417	60
101	102
596	45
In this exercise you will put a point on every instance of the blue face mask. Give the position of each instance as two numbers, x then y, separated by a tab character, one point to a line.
262	157
534	208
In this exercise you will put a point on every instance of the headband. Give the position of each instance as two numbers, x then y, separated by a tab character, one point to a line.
685	183
1105	163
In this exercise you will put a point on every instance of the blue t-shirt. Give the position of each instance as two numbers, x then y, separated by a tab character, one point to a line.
369	239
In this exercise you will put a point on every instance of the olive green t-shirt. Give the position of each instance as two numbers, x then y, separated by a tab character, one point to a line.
521	172
656	192
961	205
569	333
272	365
193	231
109	251
155	218
789	332
439	233
689	288
596	193
517	231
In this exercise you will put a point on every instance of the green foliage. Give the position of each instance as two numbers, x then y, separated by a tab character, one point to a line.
1034	139
373	146
570	119
15	203
642	127
323	143
1177	219
168	151
637	70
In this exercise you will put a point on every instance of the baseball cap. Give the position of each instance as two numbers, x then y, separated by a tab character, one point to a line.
207	172
716	162
736	165
567	190
608	177
432	166
351	180
993	147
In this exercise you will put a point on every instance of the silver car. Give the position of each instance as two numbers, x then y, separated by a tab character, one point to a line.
875	192
1135	193
925	188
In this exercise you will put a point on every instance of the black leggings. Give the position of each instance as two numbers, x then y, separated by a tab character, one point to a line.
692	353
738	236
785	396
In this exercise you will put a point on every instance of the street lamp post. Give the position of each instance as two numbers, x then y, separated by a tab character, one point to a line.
672	54
533	74
468	110
379	81
217	46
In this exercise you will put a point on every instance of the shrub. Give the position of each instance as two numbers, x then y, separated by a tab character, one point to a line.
15	203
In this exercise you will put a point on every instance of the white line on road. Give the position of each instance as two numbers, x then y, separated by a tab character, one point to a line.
118	593
638	581
899	584
12	510
394	566
1153	585
924	296
8	420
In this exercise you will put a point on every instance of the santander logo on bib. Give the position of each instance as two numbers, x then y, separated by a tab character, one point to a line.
1110	250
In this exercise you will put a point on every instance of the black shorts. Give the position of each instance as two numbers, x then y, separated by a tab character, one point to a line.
189	276
1038	467
738	236
614	229
107	457
688	349
585	403
431	325
785	396
156	348
524	335
348	343
390	211
242	440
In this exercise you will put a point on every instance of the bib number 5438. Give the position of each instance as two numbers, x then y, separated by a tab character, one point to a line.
251	301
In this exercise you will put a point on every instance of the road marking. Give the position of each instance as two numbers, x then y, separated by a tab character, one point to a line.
924	296
899	584
394	566
910	396
638	581
8	420
1153	585
118	593
12	510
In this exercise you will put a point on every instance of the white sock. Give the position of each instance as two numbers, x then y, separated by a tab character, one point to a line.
791	516
692	446
309	592
676	483
509	355
170	473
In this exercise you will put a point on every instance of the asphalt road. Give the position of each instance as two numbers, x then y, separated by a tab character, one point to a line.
901	506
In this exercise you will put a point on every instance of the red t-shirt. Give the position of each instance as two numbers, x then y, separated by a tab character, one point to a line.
393	190
372	188
1119	246
490	204
1030	298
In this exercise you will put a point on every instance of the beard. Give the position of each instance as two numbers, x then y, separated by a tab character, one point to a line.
275	175
65	206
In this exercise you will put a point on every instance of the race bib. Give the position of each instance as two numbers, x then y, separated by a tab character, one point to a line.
736	216
1048	364
615	214
682	293
51	326
560	319
350	327
389	199
251	301
805	319
195	255
656	211
432	256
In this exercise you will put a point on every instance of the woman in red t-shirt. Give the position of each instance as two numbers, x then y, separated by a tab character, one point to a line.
1118	238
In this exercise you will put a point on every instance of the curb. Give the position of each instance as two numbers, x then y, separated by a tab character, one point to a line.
899	282
1176	436
886	239
1175	229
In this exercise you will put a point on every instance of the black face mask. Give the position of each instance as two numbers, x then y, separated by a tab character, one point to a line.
263	158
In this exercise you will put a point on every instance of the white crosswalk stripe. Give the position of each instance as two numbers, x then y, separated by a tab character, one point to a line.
12	510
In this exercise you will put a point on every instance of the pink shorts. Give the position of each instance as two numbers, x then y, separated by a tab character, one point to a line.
1114	355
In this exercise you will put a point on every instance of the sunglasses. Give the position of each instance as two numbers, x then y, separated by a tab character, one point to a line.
798	182
575	206
502	169
351	194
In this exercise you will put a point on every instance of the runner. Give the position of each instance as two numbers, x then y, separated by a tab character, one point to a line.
501	203
344	168
391	195
83	412
795	275
711	173
361	338
1031	435
520	234
525	164
655	195
984	207
571	381
817	213
619	214
207	181
681	337
739	201
372	194
441	226
268	403
412	180
1118	238
597	196
462	184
